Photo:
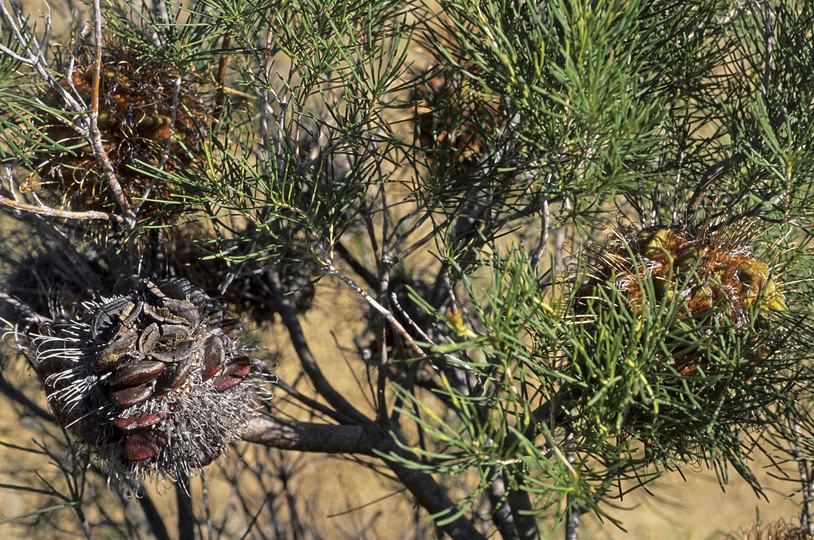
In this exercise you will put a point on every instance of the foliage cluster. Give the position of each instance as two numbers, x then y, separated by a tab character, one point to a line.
491	180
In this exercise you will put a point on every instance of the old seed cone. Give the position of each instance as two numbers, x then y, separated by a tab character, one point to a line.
152	377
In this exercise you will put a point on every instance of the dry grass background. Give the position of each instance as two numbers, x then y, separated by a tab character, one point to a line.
338	498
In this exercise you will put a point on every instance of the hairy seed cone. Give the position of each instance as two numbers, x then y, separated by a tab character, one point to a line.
153	378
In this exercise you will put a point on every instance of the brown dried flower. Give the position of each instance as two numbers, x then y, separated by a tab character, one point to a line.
452	119
137	104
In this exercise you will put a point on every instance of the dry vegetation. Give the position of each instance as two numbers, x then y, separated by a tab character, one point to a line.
289	494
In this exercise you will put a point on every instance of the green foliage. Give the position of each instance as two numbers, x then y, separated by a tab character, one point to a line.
466	168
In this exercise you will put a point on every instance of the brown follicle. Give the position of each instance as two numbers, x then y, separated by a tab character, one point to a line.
143	444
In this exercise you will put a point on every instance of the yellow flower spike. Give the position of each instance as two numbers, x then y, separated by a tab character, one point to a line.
711	277
755	276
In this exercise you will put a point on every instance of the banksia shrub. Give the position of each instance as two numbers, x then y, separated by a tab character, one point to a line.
153	378
700	319
137	106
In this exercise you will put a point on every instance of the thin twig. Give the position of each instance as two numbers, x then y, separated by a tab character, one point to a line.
768	36
30	407
541	245
807	488
311	403
167	147
677	186
220	78
360	269
710	175
56	212
331	270
406	252
95	135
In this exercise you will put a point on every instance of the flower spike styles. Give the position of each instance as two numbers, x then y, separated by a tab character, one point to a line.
685	331
710	271
153	378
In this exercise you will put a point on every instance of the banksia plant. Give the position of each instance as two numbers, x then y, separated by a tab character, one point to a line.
151	119
432	166
714	272
702	317
153	378
712	277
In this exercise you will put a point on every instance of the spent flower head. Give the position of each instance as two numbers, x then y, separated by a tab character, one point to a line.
150	119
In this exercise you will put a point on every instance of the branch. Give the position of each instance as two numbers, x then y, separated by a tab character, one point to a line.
543	242
95	137
397	326
501	513
712	173
20	206
308	402
356	266
572	522
151	513
432	497
314	437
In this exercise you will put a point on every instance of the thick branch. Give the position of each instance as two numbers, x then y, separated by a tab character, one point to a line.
314	437
501	513
433	498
